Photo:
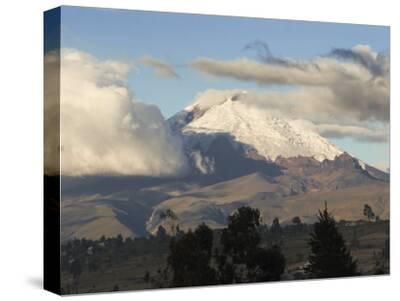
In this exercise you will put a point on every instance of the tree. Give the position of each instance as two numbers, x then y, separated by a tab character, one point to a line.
190	258
242	260
276	229
386	250
76	269
241	235
355	242
296	220
119	241
368	213
146	277
297	223
194	261
329	256
266	264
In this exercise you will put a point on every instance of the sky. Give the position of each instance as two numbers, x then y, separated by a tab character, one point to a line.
165	48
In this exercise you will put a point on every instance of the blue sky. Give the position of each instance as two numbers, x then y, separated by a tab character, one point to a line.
181	38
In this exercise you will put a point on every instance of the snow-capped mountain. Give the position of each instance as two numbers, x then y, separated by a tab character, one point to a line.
241	155
257	130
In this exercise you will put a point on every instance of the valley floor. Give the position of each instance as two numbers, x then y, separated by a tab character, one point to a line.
117	264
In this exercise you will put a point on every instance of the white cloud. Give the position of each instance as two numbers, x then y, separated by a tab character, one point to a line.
318	73
377	64
353	85
161	68
106	132
314	108
51	113
344	94
206	99
340	131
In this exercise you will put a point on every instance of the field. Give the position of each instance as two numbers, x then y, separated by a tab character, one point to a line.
365	240
117	264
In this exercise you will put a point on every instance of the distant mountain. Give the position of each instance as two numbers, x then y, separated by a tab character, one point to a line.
259	132
283	199
308	174
268	162
240	155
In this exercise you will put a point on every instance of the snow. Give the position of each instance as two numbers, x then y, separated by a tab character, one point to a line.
362	164
254	128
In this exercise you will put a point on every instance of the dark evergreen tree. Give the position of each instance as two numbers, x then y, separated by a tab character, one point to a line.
298	225
190	258
76	269
146	277
266	264
296	220
226	269
276	231
368	213
355	242
386	250
242	260
241	235
329	256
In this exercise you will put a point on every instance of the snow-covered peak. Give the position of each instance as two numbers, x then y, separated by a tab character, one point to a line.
203	102
252	127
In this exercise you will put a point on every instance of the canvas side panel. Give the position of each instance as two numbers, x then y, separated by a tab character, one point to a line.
52	20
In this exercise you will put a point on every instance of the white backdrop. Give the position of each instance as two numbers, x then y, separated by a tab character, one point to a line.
21	147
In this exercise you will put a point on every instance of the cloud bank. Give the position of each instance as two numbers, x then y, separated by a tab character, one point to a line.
377	64
345	93
106	132
161	68
51	113
314	110
358	133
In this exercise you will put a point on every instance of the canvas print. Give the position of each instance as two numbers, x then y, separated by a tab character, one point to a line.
190	150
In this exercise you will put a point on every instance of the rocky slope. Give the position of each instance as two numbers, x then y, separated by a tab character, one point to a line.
240	155
257	130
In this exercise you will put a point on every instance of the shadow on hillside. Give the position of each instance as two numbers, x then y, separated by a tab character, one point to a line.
231	160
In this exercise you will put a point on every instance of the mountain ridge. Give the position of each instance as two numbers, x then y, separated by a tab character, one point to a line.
269	136
239	155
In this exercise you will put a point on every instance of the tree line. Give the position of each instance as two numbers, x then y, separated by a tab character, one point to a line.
240	258
246	250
